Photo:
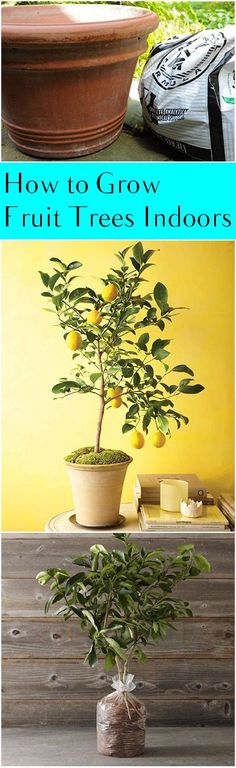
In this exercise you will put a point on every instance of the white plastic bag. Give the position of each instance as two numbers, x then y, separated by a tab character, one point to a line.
187	92
121	719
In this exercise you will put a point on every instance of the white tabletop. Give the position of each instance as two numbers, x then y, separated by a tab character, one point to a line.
65	523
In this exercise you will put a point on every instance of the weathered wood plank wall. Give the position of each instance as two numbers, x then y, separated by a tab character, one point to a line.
187	679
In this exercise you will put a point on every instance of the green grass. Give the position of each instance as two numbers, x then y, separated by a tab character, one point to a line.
184	18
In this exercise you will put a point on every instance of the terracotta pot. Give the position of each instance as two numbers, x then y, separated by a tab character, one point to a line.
97	492
67	72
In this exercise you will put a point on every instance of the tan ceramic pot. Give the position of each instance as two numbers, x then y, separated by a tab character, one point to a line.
97	492
66	74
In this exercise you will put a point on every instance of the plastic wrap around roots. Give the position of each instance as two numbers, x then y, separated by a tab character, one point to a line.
121	725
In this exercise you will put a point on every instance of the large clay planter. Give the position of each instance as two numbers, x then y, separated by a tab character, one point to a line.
97	492
67	72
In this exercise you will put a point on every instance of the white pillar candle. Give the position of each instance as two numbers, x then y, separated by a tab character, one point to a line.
172	492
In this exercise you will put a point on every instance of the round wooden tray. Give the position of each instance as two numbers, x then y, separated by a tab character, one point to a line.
66	523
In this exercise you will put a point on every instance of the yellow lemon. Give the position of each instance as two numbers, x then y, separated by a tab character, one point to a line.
94	317
74	340
110	292
117	391
158	439
115	394
117	402
137	439
111	392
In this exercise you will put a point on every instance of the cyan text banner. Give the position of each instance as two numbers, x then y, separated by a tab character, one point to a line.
80	201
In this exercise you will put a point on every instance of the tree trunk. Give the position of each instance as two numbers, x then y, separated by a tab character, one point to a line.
102	402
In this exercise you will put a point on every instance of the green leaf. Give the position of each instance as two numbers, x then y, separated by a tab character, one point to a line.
160	295
138	252
146	419
191	389
116	648
94	377
48	604
109	661
90	336
158	349
142	341
77	293
64	386
53	280
129	312
98	549
88	615
136	264
91	656
56	598
163	423
74	265
149	370
144	267
58	261
160	323
43	577
177	415
91	293
151	313
133	410
127	427
183	369
136	379
81	560
140	655
202	563
185	548
45	278
61	289
147	255
128	371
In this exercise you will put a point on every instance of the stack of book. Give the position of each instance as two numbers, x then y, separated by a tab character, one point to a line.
147	489
227	505
153	518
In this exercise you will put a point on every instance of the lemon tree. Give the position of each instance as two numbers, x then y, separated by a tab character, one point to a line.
115	354
124	599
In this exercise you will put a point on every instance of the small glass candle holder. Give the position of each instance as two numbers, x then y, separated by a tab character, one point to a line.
172	492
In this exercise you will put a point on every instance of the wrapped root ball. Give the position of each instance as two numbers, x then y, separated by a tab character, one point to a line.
121	721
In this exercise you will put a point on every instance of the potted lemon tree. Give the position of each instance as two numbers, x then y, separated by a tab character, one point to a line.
124	600
115	360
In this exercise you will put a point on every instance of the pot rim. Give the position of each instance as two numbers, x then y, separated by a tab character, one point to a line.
39	28
99	467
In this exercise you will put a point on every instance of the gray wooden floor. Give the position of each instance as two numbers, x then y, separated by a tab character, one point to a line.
77	746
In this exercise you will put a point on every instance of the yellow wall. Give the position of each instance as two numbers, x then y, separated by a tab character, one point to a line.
39	431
